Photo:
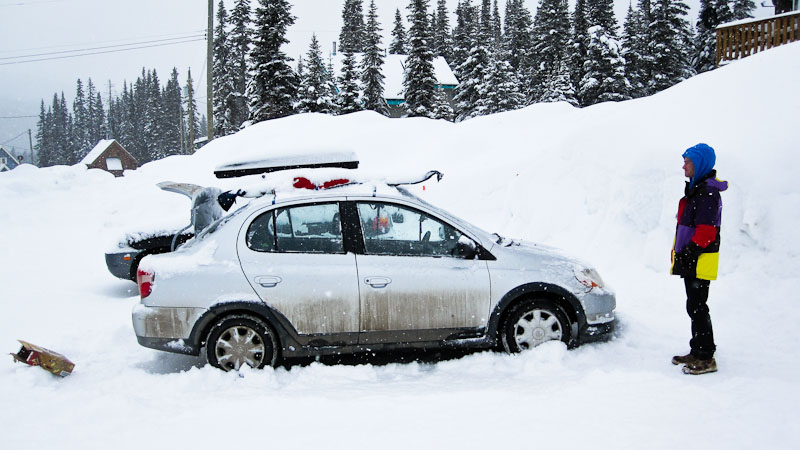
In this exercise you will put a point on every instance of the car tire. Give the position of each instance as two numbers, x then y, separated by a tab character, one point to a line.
531	323
241	339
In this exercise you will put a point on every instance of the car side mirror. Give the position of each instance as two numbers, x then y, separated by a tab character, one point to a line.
466	248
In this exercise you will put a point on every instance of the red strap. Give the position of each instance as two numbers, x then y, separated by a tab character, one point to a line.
704	235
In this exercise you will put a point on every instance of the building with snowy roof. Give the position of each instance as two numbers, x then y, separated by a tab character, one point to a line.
7	160
110	156
394	69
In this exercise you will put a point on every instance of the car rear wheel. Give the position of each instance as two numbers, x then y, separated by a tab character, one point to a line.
241	339
532	323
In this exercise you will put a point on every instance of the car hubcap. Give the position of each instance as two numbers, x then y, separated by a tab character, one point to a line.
237	346
535	328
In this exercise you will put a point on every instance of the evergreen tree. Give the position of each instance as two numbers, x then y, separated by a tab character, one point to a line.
712	13
95	114
191	115
742	9
80	136
671	44
419	80
273	87
316	87
155	119
239	38
442	108
371	64
399	44
442	38
43	141
604	77
348	86
579	44
173	115
463	35
62	133
517	34
224	98
485	33
550	36
497	25
351	38
559	88
472	93
502	87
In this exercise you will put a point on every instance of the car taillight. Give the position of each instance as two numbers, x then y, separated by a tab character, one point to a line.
145	280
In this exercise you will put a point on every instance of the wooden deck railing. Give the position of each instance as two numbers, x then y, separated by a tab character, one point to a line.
743	38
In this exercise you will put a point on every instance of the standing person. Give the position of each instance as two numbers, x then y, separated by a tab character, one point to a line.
695	255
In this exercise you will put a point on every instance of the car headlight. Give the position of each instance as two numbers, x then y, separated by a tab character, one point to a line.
589	278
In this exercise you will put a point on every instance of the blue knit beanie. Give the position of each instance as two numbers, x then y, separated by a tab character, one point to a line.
703	158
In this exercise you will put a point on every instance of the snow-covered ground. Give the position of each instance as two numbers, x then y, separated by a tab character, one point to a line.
602	183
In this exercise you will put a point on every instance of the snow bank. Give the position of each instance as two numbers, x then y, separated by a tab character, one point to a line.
601	182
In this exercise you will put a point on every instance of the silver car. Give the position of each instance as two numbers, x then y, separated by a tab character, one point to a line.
360	268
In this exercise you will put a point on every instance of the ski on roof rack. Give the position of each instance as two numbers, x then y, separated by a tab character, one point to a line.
344	160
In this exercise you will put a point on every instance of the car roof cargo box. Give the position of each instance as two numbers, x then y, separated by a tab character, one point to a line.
345	160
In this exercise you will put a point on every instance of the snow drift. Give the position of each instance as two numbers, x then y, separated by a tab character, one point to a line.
601	182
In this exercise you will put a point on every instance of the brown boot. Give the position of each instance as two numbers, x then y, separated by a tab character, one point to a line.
685	359
700	366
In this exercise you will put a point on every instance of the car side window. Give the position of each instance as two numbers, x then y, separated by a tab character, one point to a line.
397	230
298	229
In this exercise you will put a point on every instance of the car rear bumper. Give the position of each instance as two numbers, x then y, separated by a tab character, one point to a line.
166	328
119	264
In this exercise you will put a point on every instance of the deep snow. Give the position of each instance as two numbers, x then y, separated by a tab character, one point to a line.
602	183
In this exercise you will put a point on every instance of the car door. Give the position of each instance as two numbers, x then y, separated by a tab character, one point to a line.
414	286
294	258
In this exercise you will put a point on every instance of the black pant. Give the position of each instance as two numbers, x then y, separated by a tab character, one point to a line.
702	342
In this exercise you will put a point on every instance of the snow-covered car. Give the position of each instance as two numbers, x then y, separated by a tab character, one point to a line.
360	267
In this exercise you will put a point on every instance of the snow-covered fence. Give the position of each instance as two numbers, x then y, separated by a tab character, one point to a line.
742	38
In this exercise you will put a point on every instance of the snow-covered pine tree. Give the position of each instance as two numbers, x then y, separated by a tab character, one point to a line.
95	115
671	43
442	108
463	34
223	77
579	44
472	93
173	115
316	86
42	146
632	32
497	24
273	86
442	37
419	80
712	13
550	45
503	89
559	88
155	119
80	136
349	100
517	34
192	125
604	79
371	64
485	32
399	43
742	9
240	37
351	38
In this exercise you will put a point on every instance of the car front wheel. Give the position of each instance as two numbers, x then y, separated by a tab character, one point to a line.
532	323
241	339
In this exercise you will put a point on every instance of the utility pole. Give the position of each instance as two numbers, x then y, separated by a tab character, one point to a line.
30	143
210	72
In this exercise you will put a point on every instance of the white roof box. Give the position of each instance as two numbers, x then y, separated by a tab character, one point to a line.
346	160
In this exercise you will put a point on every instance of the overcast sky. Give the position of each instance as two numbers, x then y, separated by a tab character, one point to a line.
172	31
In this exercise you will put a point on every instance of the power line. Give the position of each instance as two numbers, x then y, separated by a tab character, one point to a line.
102	52
15	137
94	42
16	117
102	47
28	3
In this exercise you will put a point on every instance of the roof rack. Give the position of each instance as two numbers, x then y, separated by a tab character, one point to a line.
344	160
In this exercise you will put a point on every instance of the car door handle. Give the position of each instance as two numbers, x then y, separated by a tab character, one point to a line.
268	282
378	282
